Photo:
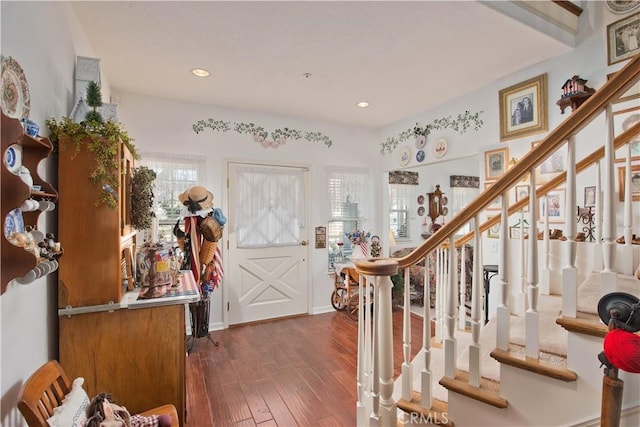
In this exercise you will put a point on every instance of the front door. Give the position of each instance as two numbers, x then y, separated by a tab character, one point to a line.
267	269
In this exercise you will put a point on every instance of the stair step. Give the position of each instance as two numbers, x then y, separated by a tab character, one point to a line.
437	414
583	325
488	392
537	366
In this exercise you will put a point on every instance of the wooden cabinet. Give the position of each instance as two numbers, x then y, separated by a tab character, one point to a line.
15	260
96	237
138	355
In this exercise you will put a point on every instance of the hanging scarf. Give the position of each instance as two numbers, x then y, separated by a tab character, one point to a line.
191	228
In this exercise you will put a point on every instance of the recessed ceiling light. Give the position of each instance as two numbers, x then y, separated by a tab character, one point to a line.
200	72
363	104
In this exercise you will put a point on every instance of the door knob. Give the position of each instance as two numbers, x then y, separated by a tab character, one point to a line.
303	243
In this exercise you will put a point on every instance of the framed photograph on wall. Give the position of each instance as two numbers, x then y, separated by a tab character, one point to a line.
589	196
496	205
623	40
494	231
552	166
522	192
523	108
635	183
555	201
622	120
495	163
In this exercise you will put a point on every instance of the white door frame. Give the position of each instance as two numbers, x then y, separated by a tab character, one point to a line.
226	208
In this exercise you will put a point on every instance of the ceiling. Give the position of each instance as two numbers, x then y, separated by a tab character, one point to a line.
402	57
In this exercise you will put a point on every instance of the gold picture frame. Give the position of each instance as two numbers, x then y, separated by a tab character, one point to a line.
495	163
494	231
619	34
523	108
557	206
635	183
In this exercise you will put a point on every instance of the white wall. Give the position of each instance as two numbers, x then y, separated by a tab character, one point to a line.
44	38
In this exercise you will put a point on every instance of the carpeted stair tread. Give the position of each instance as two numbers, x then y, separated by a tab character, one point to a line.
589	291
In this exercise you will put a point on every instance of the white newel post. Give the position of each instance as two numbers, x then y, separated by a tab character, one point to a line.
531	316
608	276
502	311
388	414
569	272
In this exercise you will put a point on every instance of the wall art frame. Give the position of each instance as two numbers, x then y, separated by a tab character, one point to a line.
623	119
496	204
522	192
589	196
523	108
553	165
622	39
635	182
495	163
556	200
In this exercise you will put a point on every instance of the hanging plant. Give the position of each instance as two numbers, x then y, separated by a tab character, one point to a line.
460	124
103	140
142	197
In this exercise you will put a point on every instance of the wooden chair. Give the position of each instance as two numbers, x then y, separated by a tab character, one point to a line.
46	388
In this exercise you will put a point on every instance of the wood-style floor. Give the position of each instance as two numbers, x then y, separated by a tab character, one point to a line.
291	372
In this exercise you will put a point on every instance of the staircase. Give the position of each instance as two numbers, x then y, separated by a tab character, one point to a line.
535	362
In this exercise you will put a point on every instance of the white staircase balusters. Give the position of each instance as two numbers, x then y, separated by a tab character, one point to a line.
476	306
363	355
387	408
376	354
531	315
503	311
521	299
426	379
597	222
462	310
626	262
569	271
450	353
407	372
608	275
439	303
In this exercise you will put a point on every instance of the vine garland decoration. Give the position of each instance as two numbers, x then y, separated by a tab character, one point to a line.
460	124
260	135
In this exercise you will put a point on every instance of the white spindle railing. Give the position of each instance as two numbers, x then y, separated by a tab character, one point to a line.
450	353
387	415
608	276
476	306
426	379
597	222
626	261
462	288
531	316
502	311
407	373
569	272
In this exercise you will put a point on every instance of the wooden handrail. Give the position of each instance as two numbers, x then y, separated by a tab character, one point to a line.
580	118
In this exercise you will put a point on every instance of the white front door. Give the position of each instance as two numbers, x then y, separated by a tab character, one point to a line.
267	271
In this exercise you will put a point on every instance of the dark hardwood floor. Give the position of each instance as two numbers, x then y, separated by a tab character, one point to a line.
291	372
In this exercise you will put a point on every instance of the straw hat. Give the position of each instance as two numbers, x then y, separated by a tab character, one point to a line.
197	198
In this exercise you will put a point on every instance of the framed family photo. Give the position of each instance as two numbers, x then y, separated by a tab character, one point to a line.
494	231
589	196
622	120
635	183
522	192
495	163
555	203
523	108
623	38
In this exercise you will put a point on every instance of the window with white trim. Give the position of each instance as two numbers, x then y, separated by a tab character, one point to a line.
349	200
399	195
174	175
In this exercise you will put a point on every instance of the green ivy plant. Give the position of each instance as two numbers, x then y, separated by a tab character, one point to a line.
101	138
461	124
142	197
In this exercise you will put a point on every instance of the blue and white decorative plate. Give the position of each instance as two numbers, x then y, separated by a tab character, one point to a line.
13	158
420	155
13	223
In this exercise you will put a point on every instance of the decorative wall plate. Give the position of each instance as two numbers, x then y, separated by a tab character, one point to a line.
421	141
420	156
421	210
14	95
404	156
440	148
421	199
622	6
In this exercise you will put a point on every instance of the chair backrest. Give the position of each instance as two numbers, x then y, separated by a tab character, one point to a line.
42	392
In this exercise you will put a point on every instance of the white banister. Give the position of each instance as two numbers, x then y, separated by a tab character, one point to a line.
387	408
608	275
521	300
531	316
377	350
407	372
439	303
450	353
569	271
426	379
476	306
502	311
462	288
597	222
626	262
